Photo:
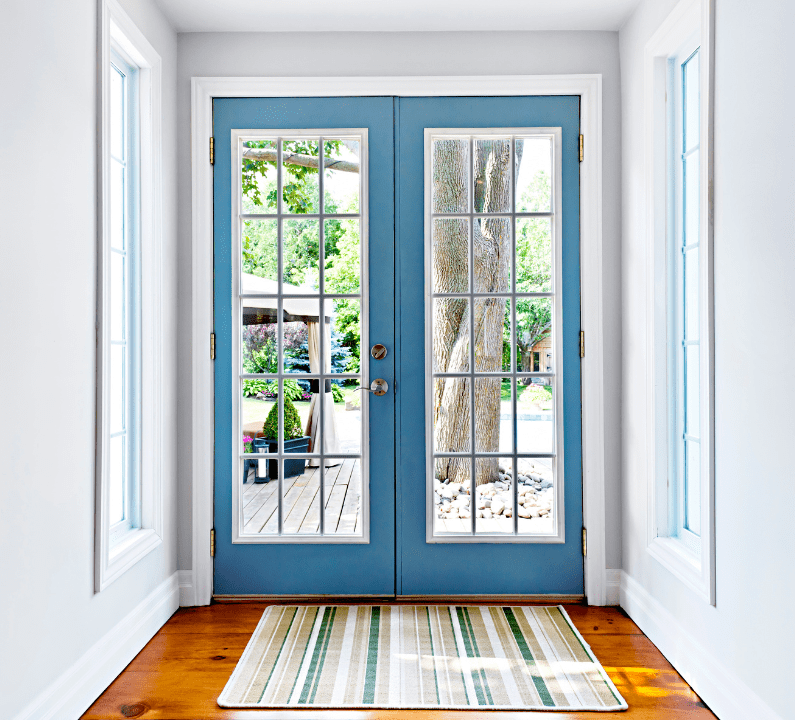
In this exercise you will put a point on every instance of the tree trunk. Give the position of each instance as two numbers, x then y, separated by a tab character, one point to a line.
450	273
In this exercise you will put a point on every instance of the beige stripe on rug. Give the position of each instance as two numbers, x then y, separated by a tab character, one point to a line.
424	656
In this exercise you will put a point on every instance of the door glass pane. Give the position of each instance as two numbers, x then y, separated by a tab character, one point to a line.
536	496
452	431
534	351
299	180
300	496
535	417
494	499
451	495
450	179
533	254
450	255
492	175
301	243
533	174
692	364
451	335
260	256
478	402
117	478
295	418
493	415
341	177
259	177
491	240
343	493
341	239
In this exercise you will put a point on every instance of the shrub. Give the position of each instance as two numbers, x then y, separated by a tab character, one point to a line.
337	393
252	388
292	422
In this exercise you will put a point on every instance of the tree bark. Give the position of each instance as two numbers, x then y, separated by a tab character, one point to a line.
450	273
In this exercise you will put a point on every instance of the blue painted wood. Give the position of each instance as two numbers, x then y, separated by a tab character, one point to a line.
398	560
309	569
480	568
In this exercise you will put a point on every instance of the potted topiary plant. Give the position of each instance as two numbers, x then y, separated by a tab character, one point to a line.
294	441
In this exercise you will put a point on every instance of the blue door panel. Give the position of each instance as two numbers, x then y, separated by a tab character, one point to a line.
488	568
397	560
311	568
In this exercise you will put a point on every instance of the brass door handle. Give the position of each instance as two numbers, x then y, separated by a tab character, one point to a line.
379	386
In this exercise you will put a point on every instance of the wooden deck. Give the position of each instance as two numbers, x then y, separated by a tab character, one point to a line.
302	502
182	670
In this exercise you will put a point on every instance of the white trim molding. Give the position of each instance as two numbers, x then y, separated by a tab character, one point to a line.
112	560
720	688
588	87
186	592
694	569
74	692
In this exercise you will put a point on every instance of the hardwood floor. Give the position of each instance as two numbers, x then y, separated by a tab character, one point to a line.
182	670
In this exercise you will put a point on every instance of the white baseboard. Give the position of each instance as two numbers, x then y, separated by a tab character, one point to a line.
187	593
720	688
612	587
72	694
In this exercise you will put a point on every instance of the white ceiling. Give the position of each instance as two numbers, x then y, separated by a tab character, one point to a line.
394	15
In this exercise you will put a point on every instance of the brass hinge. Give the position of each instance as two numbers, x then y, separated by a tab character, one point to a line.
212	150
212	542
582	148
582	343
212	346
584	542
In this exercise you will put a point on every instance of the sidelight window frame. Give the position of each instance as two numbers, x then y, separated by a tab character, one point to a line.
119	546
555	215
690	557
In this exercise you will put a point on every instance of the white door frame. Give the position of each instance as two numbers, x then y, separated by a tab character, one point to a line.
198	590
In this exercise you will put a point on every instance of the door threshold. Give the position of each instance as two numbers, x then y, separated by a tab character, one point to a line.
404	599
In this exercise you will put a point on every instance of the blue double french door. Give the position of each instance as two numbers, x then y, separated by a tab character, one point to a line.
485	499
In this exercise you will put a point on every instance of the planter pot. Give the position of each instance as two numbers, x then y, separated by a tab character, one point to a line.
291	467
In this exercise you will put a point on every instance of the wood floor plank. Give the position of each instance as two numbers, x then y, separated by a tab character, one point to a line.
350	514
182	670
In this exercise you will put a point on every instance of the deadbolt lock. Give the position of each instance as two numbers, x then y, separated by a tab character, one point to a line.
378	352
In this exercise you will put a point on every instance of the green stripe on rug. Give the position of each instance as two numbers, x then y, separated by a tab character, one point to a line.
316	664
279	654
538	681
471	646
433	658
368	696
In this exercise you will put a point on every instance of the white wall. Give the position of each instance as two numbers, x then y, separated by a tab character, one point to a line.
748	636
49	613
374	54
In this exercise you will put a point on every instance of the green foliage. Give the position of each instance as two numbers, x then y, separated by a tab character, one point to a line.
337	394
270	389
252	387
292	422
540	395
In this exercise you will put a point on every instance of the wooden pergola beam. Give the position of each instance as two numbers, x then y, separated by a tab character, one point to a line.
308	161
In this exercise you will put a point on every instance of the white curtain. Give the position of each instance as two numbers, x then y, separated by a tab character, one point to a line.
330	442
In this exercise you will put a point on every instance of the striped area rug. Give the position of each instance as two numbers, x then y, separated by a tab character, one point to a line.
447	657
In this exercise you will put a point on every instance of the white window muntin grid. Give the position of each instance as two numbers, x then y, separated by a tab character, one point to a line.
681	432
238	138
556	376
129	331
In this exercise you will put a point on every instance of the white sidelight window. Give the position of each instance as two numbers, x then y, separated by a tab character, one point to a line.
679	310
684	291
128	497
